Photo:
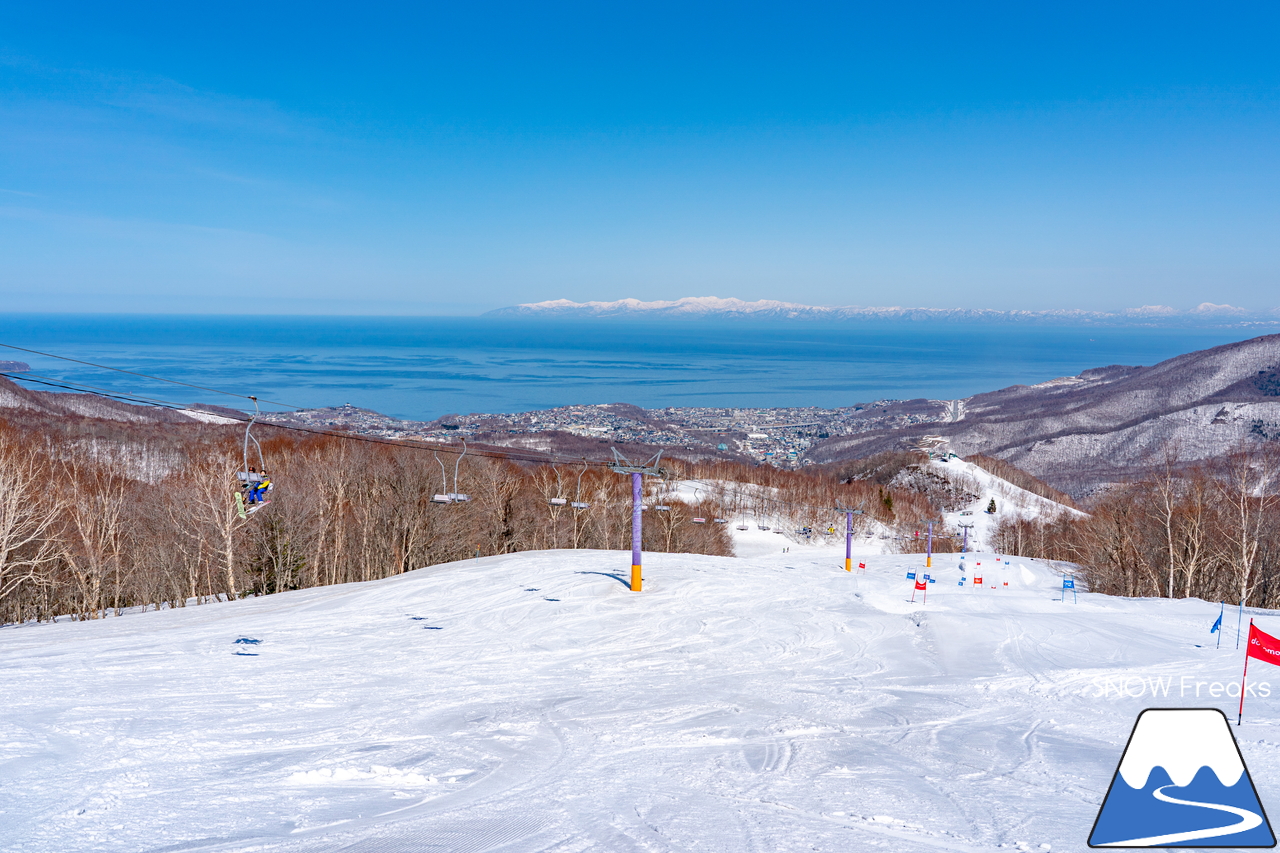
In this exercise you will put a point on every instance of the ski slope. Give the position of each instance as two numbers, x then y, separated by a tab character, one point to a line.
532	703
1012	502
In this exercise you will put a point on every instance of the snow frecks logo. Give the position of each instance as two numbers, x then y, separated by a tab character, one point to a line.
1181	783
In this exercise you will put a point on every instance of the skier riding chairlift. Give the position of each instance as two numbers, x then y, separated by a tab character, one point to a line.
251	495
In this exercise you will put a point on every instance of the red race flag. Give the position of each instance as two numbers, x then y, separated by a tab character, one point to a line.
1262	646
921	585
862	565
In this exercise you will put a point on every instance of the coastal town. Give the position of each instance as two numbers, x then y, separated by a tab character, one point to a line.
776	436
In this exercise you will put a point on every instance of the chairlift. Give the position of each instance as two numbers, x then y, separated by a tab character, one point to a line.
662	508
699	521
455	494
254	482
578	502
762	527
557	501
743	527
721	521
446	496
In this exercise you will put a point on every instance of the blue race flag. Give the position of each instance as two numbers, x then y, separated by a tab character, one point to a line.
911	576
1068	583
1216	625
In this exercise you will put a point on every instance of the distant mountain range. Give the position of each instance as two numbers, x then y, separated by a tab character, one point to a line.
717	308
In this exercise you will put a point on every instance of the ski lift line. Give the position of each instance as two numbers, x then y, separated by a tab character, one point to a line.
180	407
159	404
147	376
88	389
775	501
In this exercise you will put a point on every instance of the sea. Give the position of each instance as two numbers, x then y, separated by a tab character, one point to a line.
421	368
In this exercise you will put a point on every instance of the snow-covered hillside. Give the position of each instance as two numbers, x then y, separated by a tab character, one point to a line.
1109	424
1012	502
532	703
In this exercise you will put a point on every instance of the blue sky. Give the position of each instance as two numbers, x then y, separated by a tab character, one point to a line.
448	158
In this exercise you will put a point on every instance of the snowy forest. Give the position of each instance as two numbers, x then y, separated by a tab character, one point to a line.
1209	531
97	516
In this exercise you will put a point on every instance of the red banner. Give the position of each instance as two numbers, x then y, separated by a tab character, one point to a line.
1263	646
862	565
921	585
977	581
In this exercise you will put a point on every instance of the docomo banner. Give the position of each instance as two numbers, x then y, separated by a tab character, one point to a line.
1263	646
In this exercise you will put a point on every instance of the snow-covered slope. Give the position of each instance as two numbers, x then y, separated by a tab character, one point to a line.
532	703
1012	502
1109	423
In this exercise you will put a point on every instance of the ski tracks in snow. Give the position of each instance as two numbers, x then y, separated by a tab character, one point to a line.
770	704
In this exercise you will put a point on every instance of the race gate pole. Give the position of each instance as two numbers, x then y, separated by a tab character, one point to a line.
1243	676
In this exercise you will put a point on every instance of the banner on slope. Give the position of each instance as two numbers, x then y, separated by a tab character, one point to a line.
1068	583
921	585
1181	782
1262	646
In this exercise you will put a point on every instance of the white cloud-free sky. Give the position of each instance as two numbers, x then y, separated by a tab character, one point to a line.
449	158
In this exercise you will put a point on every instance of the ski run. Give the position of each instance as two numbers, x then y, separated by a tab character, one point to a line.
531	702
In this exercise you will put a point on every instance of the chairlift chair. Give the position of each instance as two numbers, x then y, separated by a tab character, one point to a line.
445	496
699	521
559	501
662	508
251	496
578	502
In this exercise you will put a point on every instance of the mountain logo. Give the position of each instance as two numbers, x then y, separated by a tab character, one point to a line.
1182	782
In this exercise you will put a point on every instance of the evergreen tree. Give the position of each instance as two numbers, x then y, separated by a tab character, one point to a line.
991	507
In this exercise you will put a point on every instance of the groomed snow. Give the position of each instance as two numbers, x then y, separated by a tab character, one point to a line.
1012	502
532	703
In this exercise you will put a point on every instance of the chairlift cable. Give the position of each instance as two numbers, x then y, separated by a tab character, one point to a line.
166	404
88	389
147	376
180	407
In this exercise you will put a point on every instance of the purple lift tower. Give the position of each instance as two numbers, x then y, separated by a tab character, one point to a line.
621	465
848	535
